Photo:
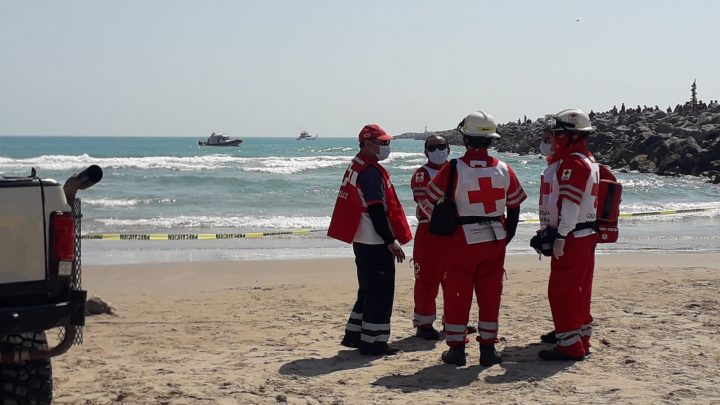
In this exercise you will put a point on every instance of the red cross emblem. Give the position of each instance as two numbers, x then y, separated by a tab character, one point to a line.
487	195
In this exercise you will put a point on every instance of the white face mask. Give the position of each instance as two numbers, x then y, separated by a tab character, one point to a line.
546	149
438	156
383	152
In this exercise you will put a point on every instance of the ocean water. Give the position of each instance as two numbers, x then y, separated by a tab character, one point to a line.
172	185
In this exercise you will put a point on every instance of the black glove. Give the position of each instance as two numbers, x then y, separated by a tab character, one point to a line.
543	241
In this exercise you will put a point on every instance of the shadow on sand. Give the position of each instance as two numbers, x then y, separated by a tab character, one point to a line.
344	360
350	359
520	364
415	344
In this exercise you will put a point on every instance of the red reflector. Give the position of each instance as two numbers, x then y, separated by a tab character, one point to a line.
62	234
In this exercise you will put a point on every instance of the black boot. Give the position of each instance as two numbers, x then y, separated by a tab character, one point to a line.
455	355
549	337
556	355
427	332
489	356
351	340
377	349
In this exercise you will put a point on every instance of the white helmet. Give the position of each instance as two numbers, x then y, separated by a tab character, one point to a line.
479	124
572	119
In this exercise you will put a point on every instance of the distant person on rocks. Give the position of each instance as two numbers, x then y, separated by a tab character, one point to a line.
483	189
368	214
568	204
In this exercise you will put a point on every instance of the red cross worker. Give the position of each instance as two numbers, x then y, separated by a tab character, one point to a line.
484	190
568	205
428	250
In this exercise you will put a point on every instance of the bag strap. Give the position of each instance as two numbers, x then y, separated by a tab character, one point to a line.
450	191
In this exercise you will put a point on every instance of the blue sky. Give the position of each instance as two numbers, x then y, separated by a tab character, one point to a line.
268	68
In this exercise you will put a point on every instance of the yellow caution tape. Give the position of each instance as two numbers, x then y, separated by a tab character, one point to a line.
255	235
194	236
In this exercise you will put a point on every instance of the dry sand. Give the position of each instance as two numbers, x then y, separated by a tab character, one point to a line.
269	331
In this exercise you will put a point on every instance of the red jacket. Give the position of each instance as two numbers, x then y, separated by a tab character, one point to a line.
349	205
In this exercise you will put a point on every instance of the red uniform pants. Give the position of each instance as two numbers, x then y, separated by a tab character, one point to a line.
570	293
429	258
478	267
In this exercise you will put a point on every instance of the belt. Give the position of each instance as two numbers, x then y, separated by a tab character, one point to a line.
478	220
586	225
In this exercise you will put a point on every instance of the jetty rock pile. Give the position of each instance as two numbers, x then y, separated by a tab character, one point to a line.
680	141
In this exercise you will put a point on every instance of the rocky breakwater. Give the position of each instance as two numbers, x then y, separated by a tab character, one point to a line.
683	141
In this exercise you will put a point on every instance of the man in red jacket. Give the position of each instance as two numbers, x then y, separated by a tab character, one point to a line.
368	214
484	189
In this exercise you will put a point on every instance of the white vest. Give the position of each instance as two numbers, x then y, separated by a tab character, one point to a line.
549	192
419	214
548	210
481	191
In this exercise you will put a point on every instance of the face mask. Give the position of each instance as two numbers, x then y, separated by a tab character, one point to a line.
384	152
545	149
438	156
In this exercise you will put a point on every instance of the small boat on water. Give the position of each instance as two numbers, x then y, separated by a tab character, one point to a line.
305	136
220	140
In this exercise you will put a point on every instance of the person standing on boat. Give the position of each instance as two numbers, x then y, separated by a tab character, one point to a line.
428	249
369	215
484	188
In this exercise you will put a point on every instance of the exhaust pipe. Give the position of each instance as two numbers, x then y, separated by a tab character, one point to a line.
16	356
80	181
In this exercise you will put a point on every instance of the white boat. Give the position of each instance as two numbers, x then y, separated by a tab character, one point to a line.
220	140
305	136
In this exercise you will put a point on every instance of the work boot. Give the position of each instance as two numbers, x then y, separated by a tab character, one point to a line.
427	332
489	356
556	355
351	341
377	349
455	355
549	337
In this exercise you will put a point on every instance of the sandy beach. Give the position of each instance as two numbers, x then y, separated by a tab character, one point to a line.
269	331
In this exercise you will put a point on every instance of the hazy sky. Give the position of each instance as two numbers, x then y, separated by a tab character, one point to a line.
268	68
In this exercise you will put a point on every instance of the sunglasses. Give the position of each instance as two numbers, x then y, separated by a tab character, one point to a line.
381	143
433	148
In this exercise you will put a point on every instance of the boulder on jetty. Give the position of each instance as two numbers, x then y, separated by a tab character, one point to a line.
680	141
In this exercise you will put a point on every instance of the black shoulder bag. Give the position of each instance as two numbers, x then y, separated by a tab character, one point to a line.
444	215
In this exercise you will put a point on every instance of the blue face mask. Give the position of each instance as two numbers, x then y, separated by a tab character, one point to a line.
546	149
384	152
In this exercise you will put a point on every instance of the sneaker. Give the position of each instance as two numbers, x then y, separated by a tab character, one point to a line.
489	356
556	355
377	349
549	337
427	332
455	355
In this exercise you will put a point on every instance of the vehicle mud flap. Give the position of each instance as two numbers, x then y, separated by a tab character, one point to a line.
78	298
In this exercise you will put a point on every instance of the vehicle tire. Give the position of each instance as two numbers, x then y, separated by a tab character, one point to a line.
27	382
